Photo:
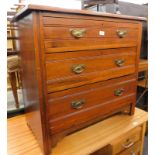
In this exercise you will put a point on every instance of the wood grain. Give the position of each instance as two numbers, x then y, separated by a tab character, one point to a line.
133	136
88	53
31	76
142	137
82	142
59	104
91	32
73	11
84	44
143	65
86	21
48	52
28	71
78	119
75	81
55	69
58	45
134	149
61	77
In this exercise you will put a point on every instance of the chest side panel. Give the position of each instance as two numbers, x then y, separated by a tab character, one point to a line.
31	77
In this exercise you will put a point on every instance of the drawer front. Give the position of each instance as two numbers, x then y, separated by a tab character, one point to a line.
72	69
79	105
90	32
81	32
134	150
48	20
127	142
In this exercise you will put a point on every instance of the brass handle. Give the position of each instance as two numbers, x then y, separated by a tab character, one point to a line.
121	33
129	144
119	92
119	62
79	68
78	104
78	33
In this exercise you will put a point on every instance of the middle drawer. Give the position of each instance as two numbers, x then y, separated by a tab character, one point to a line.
72	69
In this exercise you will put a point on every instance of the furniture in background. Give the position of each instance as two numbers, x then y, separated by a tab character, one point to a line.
14	78
12	39
86	4
66	84
14	9
143	83
143	67
12	60
121	134
13	73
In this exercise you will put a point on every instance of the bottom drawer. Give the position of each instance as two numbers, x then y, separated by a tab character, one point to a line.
134	150
80	106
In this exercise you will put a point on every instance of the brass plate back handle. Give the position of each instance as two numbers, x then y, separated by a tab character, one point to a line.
120	62
78	33
128	144
119	92
78	104
122	33
79	68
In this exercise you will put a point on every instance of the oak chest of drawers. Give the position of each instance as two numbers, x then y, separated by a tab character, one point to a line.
77	68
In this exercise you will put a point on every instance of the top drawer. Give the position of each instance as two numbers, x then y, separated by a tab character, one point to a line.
61	33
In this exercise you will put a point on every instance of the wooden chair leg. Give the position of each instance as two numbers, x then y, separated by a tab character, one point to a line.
19	79
12	77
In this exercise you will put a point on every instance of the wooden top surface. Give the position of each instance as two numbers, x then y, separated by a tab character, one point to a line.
83	142
32	7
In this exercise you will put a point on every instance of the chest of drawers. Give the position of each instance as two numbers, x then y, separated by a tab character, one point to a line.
77	67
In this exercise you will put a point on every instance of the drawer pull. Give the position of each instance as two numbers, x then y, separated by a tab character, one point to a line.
78	33
79	68
119	92
120	62
78	104
121	33
129	144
